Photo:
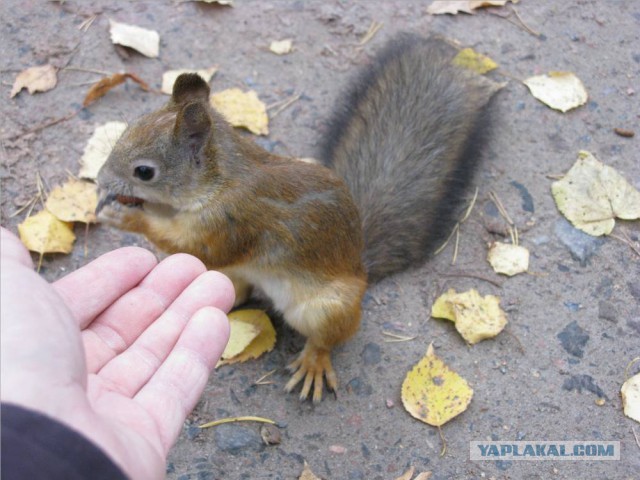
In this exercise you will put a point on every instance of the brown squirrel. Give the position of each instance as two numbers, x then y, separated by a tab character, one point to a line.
399	155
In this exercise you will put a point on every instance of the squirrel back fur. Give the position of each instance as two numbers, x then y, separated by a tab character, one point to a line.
406	142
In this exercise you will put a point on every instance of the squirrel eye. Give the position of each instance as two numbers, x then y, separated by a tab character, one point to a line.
144	173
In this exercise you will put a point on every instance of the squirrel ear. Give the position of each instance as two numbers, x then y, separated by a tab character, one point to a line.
190	87
193	125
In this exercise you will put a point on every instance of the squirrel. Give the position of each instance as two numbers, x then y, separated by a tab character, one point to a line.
398	156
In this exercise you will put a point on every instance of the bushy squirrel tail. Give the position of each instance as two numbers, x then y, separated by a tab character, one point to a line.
406	140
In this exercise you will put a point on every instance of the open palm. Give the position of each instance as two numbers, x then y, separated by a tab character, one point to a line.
119	350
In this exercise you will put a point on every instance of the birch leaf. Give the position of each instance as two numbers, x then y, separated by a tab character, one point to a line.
453	7
559	90
241	334
591	195
307	473
169	77
508	259
104	85
35	79
242	109
263	343
630	392
470	59
476	318
75	201
143	40
99	147
281	47
44	233
433	393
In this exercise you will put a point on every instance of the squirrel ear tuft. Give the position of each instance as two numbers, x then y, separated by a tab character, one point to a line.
193	125
190	87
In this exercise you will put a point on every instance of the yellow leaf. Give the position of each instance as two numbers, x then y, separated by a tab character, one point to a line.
472	60
408	475
508	259
442	307
281	47
75	201
169	77
242	109
263	343
240	336
44	233
559	90
630	392
307	474
35	79
592	194
476	318
145	41
433	393
99	147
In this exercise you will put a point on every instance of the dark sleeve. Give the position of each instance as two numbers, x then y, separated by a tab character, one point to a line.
37	447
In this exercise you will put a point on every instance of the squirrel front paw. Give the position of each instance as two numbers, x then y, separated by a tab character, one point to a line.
313	365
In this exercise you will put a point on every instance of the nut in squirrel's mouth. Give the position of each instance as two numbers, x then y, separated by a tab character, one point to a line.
126	200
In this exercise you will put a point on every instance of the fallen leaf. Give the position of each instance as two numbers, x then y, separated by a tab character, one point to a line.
169	77
470	59
241	334
408	475
281	47
99	147
100	88
35	79
453	7
75	201
433	393
263	343
145	41
423	476
242	109
623	132
219	2
476	318
559	90
508	259
630	392
44	233
307	474
591	195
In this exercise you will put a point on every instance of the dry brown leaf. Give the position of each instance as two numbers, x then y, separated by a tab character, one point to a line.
99	147
35	79
408	475
44	233
145	41
169	77
242	109
100	88
75	201
281	47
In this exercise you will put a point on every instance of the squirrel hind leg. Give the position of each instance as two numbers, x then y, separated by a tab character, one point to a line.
313	365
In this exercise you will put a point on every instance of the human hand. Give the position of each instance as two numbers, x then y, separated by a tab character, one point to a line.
119	350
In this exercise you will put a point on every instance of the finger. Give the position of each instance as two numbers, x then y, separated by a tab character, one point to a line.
133	368
92	288
173	391
13	249
121	324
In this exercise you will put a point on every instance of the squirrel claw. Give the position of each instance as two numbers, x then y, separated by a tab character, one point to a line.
312	365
